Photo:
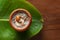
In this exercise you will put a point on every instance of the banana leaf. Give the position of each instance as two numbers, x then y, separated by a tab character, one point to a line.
7	32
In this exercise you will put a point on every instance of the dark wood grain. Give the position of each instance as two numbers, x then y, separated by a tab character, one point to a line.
50	10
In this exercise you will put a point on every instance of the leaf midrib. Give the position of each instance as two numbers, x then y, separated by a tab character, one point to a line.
8	20
4	19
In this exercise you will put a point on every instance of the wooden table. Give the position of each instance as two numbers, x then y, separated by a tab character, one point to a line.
50	10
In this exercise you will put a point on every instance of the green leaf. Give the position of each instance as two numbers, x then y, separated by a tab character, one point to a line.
6	31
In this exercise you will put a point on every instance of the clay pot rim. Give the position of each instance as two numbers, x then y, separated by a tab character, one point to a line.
28	14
